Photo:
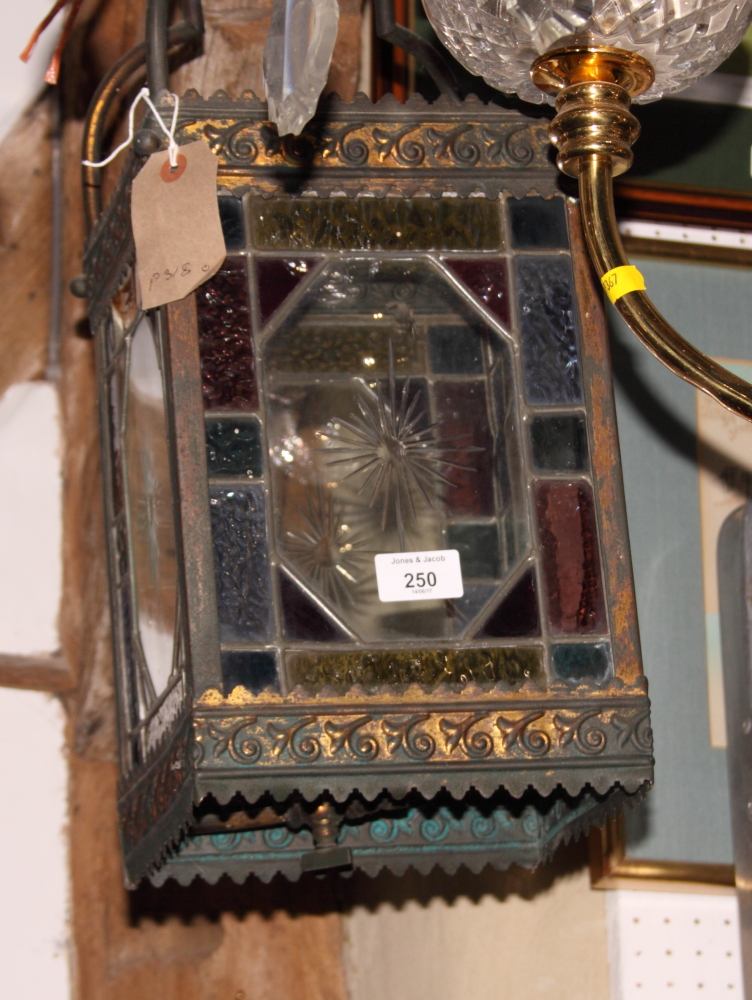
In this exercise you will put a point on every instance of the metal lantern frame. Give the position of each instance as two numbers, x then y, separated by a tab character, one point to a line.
217	780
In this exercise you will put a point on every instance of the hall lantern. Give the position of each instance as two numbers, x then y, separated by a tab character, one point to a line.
371	591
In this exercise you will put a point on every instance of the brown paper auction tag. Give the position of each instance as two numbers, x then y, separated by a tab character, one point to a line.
176	226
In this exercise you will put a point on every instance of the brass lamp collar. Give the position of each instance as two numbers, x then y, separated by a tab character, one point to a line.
593	131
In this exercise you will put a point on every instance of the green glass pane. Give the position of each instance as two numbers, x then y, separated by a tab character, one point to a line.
150	504
376	224
478	546
344	348
427	667
233	447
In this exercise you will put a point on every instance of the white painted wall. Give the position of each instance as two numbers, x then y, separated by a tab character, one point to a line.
21	82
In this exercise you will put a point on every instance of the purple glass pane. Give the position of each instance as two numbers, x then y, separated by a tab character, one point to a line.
224	325
571	565
517	615
488	280
302	619
275	279
463	421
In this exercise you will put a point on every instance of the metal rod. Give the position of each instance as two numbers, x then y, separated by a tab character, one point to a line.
52	371
385	22
636	309
188	29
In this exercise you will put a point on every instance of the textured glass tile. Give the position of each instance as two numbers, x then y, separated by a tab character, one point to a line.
362	348
582	661
150	502
571	564
302	619
455	350
559	443
231	217
478	546
428	667
249	668
463	418
488	280
241	563
275	279
376	224
548	330
224	326
538	223
516	615
233	447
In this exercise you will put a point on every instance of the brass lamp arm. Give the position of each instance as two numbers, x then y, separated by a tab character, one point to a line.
636	309
594	131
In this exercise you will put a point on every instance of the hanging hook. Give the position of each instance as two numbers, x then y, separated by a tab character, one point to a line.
385	22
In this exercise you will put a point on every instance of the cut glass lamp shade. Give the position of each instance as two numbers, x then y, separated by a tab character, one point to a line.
297	55
500	39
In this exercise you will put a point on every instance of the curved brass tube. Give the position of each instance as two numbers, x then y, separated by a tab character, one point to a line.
593	132
636	309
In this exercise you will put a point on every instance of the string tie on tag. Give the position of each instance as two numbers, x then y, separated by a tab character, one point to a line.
172	146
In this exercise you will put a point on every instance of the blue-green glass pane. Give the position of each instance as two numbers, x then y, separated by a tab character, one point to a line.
582	661
241	564
538	223
559	443
249	668
478	546
231	217
455	350
233	447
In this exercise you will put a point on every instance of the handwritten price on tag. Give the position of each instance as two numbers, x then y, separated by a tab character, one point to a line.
183	270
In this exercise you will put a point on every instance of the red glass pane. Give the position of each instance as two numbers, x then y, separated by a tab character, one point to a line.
571	565
488	280
517	615
302	619
275	279
224	326
463	427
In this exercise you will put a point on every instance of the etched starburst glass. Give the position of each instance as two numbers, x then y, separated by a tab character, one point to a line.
386	409
297	55
500	39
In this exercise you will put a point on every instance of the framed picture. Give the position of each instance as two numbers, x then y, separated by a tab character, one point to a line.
687	463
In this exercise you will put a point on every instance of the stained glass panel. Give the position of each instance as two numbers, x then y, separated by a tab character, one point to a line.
253	669
231	217
571	564
538	223
391	223
233	446
275	279
150	507
227	363
559	443
550	358
582	661
488	280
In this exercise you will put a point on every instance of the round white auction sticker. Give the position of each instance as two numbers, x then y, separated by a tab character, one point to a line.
419	576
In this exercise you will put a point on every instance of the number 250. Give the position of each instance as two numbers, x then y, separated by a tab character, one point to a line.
420	580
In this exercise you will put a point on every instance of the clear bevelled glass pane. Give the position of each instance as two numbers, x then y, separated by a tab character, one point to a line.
571	564
538	223
478	546
500	40
548	330
559	444
224	325
582	661
373	450
233	447
150	503
429	667
301	224
454	350
241	564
